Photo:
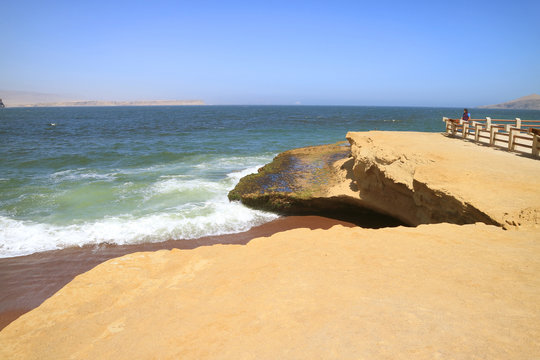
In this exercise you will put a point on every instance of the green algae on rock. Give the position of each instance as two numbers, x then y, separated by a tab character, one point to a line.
293	177
300	182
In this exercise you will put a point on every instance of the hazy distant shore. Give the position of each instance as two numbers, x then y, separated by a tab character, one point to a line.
111	103
530	102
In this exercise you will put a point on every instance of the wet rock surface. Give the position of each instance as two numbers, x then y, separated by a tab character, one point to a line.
297	182
292	176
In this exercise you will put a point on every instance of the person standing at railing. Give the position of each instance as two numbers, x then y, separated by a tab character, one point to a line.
466	115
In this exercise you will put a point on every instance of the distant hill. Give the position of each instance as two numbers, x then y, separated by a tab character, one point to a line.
34	99
18	98
118	103
531	102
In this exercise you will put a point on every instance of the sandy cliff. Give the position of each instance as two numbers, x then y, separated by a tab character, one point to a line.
436	291
418	178
429	178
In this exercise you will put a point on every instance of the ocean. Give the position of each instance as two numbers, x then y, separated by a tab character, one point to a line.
126	175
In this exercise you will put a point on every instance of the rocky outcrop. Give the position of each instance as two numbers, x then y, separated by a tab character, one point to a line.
429	178
292	180
417	178
435	291
2	104
297	182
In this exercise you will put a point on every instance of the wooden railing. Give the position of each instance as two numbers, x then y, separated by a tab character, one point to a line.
515	135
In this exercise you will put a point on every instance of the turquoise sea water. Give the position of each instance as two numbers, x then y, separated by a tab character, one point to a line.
146	174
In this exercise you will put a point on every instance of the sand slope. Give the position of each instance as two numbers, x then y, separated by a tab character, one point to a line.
435	291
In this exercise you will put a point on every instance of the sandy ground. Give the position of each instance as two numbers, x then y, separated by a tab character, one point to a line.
26	281
435	291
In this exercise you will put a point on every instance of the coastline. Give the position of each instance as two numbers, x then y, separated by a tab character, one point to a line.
460	282
94	103
27	281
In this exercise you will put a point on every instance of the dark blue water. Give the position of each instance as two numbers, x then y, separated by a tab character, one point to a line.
137	174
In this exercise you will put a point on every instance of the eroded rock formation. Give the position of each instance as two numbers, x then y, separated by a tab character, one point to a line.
435	291
418	178
293	181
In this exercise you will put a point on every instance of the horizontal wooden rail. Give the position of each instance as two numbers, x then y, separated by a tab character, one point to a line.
514	135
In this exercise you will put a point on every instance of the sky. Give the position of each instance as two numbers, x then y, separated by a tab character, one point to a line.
402	53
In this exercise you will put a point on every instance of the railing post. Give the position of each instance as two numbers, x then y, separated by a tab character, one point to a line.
511	139
476	132
518	123
446	127
492	135
488	123
535	149
464	129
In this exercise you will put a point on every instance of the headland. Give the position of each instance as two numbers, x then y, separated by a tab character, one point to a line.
416	178
529	102
462	283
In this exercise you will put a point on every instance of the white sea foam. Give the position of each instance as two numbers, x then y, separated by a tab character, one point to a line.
81	174
183	184
237	175
180	185
235	162
26	237
211	214
180	176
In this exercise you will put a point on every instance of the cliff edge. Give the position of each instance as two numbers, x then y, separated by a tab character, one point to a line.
417	178
430	178
432	292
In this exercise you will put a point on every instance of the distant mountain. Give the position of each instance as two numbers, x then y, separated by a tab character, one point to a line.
531	102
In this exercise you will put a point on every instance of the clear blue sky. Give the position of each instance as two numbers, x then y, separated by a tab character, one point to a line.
432	53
